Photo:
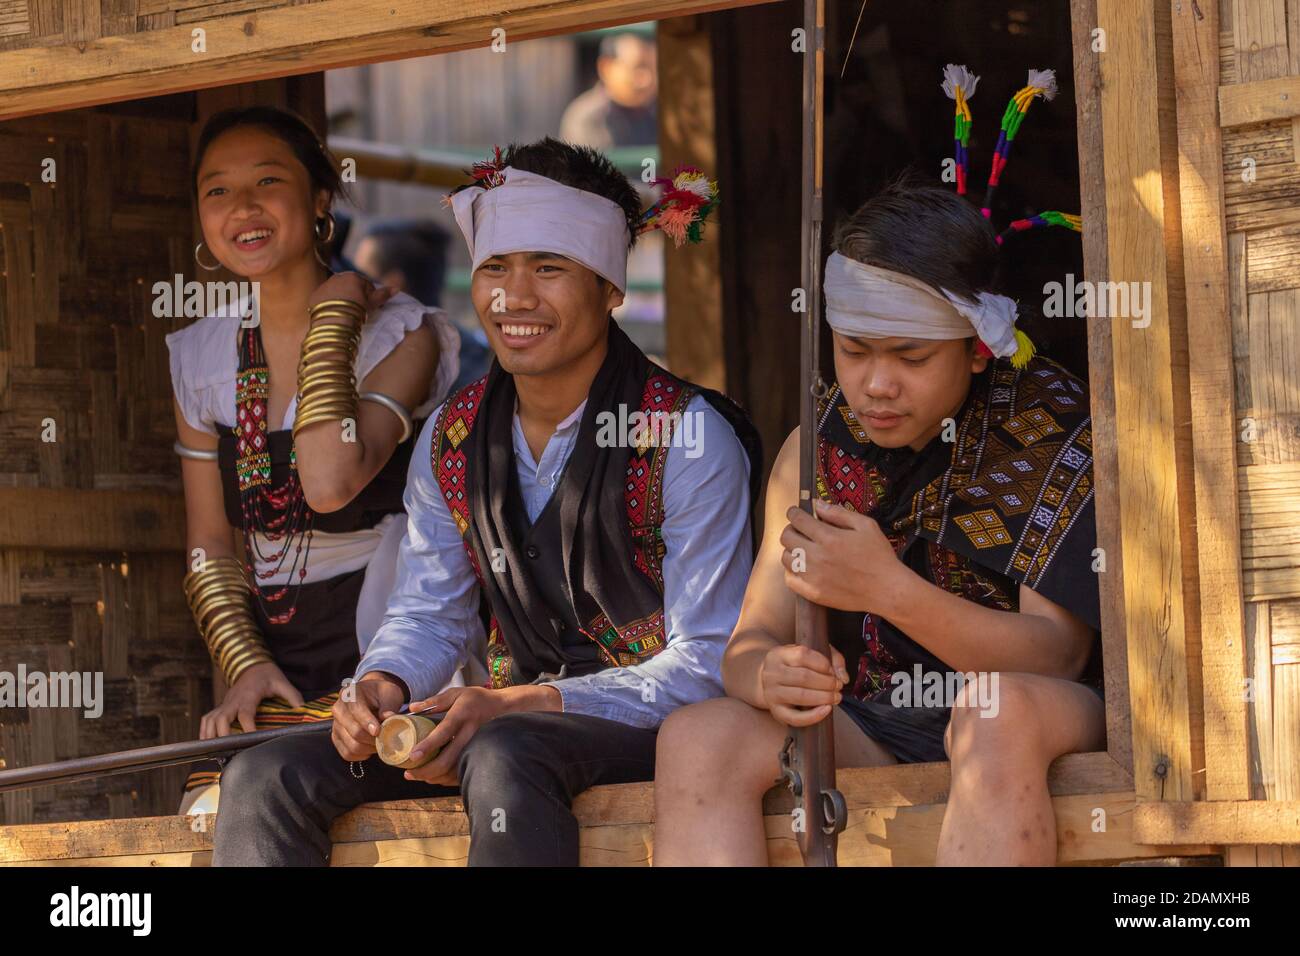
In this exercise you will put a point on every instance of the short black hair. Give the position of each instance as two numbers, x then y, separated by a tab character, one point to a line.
581	167
416	247
926	231
288	127
610	41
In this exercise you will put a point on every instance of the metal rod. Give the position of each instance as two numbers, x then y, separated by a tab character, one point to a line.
146	758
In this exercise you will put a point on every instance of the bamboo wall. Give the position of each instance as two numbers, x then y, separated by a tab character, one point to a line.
92	523
80	349
1260	40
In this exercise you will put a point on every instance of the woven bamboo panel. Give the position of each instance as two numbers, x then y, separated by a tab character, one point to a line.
1261	168
81	352
79	345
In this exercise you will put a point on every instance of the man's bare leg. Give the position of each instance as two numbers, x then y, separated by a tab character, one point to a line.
714	762
999	810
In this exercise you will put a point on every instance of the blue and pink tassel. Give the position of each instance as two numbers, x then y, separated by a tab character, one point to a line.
1041	83
1042	220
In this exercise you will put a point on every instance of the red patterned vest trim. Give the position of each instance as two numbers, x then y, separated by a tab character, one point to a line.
643	494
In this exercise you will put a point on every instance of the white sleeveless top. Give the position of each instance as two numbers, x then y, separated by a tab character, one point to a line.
204	364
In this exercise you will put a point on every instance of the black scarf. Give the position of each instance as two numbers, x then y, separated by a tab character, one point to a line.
596	542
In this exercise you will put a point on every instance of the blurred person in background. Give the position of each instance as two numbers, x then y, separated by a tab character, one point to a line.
620	109
410	255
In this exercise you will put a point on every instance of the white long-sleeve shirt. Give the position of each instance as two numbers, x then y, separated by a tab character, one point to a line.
432	621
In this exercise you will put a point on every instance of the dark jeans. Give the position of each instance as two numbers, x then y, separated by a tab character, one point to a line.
521	770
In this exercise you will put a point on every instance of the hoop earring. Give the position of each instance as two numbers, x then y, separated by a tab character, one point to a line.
328	218
206	268
316	249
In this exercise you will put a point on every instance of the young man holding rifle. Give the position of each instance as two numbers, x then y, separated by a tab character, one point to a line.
953	543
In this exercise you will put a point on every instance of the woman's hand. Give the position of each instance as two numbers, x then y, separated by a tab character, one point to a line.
355	288
800	686
254	686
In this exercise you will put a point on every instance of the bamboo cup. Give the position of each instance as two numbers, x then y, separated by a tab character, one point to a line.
399	735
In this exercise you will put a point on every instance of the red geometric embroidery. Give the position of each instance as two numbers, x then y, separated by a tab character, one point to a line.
643	497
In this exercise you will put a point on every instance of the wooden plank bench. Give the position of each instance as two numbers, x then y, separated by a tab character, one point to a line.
894	818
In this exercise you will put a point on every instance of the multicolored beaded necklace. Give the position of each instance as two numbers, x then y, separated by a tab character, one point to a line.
290	514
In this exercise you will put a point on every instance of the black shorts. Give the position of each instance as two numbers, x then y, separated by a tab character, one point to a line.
911	734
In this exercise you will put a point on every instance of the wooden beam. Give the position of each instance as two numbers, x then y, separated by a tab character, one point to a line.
1151	525
400	164
1213	409
874	836
1217	822
61	519
1261	101
1101	383
1093	776
291	40
1091	828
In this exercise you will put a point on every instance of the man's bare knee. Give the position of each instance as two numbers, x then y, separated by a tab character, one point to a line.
723	742
1029	719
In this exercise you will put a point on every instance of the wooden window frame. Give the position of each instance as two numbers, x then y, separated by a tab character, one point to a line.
1147	106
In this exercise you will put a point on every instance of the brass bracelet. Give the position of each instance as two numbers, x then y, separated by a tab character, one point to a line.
221	605
329	412
331	330
331	415
335	321
326	402
321	352
327	388
344	304
323	373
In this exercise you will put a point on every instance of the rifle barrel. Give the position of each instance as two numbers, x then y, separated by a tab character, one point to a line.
813	753
146	758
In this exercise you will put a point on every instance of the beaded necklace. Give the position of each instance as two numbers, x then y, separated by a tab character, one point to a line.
290	516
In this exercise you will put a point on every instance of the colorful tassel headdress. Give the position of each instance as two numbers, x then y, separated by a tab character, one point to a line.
1041	83
959	85
689	197
1041	220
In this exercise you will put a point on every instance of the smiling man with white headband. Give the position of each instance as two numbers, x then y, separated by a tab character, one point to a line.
956	537
609	573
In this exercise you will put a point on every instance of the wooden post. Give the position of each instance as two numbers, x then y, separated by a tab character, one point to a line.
1101	385
1200	149
688	136
1151	519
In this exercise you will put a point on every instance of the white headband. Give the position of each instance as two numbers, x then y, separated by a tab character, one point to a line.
864	300
531	213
